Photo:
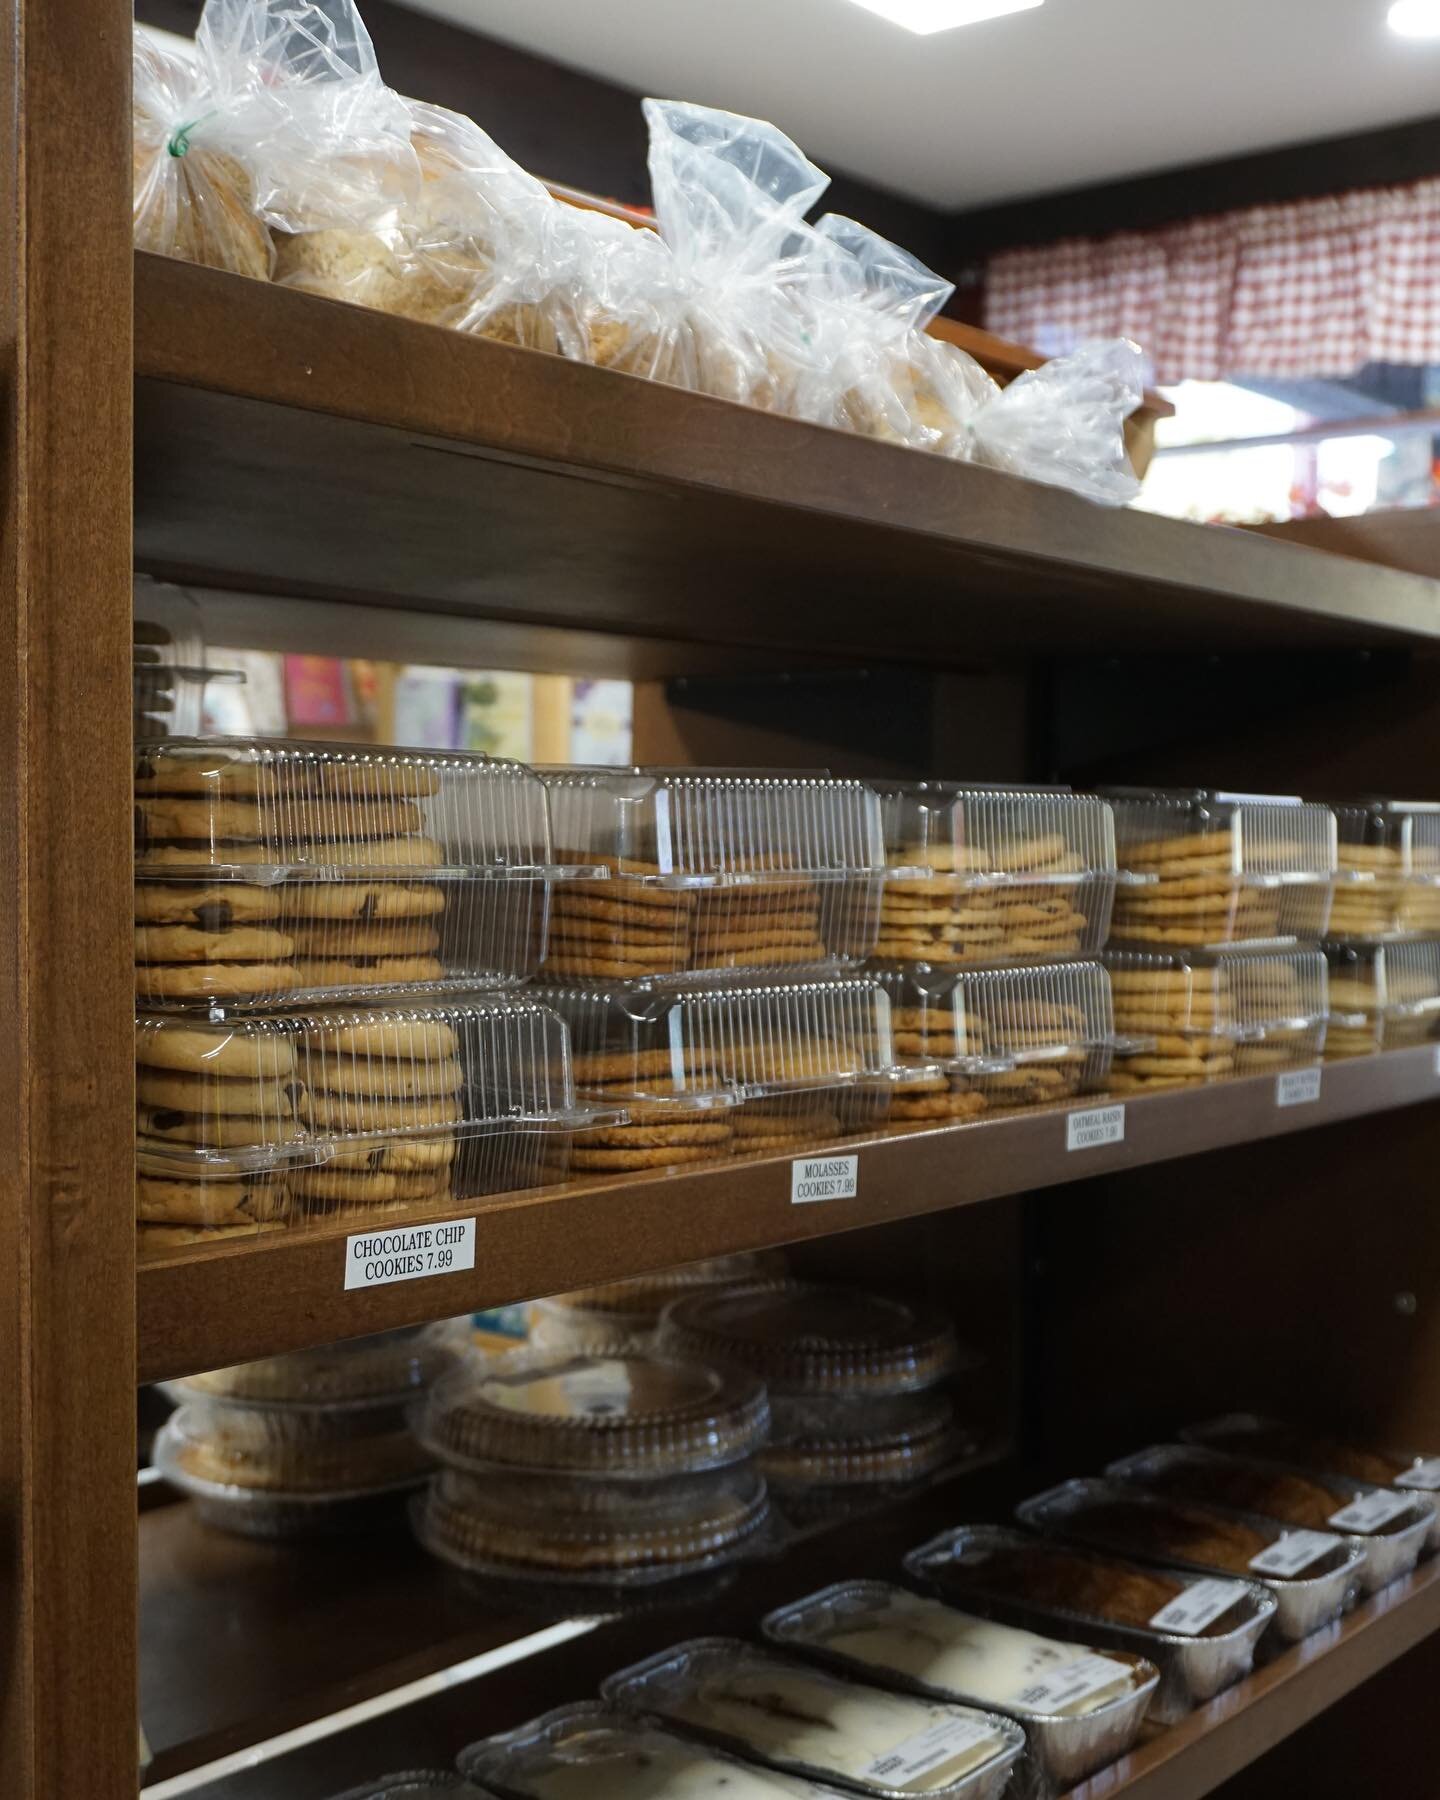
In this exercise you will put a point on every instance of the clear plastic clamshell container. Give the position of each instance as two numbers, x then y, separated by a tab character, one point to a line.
1081	1709
712	870
1391	1528
273	872
1212	1014
810	1722
566	1530
1383	996
1314	1575
1200	1635
1389	880
708	1070
998	1037
621	1418
388	1367
584	1751
168	663
803	1338
289	1119
994	875
1207	869
623	1315
1301	1447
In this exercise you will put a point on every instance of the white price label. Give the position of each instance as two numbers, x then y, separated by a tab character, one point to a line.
409	1253
1100	1125
1297	1087
1371	1512
1422	1475
1070	1682
815	1178
1200	1605
931	1749
1295	1551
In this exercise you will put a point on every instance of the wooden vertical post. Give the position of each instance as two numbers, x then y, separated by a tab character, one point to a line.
67	1269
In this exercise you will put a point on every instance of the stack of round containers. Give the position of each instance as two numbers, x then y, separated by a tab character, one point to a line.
621	1471
859	1383
1215	960
1383	944
624	1316
996	903
313	1441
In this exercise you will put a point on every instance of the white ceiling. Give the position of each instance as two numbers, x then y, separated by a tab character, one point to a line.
1075	92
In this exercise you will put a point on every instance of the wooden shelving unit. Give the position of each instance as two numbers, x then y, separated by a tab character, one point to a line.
204	1309
297	454
1182	1762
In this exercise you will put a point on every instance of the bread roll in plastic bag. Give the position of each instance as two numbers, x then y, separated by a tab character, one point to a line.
277	117
872	368
194	197
1064	423
730	194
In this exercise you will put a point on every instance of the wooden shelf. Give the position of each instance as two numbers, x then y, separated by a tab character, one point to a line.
204	1308
1180	1763
291	445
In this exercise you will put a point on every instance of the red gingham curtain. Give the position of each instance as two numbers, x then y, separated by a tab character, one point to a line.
1320	287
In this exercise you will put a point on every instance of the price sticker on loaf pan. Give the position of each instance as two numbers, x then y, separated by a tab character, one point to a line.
1294	1552
409	1253
1072	1681
1371	1512
931	1749
1200	1605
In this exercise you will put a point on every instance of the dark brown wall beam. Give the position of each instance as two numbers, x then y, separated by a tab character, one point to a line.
563	124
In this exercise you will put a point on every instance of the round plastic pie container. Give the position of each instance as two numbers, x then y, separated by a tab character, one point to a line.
629	1417
816	1444
351	1449
576	1531
806	1338
623	1314
418	1784
391	1365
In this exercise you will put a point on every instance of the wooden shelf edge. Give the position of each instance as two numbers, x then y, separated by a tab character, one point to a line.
256	343
1196	1756
255	1297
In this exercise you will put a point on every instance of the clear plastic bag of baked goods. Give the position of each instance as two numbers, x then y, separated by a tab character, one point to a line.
1064	423
730	193
277	118
194	192
871	366
449	257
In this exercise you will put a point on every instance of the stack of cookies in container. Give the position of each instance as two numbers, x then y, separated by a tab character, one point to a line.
711	980
1383	943
996	902
310	1442
320	934
612	1471
1214	957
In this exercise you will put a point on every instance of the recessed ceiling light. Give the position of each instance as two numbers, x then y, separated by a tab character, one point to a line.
927	16
1416	18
